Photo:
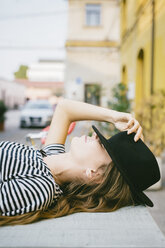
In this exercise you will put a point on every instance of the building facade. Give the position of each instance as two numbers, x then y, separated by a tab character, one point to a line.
92	53
45	80
142	47
8	94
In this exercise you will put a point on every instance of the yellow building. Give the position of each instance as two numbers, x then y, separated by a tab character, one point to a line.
142	46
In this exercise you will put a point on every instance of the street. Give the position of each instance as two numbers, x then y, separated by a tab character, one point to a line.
14	133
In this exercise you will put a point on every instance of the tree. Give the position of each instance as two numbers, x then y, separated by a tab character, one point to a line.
3	109
21	73
119	102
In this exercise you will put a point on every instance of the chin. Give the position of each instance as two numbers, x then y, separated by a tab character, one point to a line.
76	143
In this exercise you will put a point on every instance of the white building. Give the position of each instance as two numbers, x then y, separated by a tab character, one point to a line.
47	70
92	50
45	80
12	93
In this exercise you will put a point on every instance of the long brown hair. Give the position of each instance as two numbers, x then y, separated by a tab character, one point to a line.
110	195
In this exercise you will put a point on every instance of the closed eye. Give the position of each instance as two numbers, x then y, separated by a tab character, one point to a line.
100	143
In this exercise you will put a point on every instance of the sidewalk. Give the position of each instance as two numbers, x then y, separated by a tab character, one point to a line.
158	198
125	228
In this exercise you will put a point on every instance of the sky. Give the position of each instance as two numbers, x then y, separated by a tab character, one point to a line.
31	30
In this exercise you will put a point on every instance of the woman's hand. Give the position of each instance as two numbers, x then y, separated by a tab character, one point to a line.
126	122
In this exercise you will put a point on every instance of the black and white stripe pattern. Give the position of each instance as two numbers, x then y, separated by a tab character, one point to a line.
26	183
53	149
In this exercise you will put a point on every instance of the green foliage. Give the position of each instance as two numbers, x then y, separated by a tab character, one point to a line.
21	73
94	89
119	102
93	93
3	109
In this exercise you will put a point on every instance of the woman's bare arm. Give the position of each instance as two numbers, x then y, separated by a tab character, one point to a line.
77	111
68	111
59	126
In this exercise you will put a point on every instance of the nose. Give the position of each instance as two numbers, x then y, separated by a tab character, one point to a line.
95	135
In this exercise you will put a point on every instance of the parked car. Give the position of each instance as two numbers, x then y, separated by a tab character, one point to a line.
36	113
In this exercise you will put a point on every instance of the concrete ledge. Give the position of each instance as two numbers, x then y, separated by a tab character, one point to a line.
126	227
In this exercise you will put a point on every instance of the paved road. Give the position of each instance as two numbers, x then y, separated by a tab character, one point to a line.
14	133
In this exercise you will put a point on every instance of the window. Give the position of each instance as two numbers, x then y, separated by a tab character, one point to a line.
124	16
93	14
140	78
124	75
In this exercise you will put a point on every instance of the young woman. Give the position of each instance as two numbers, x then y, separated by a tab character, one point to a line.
96	175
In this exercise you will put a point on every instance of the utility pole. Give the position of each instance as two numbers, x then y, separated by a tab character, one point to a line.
152	47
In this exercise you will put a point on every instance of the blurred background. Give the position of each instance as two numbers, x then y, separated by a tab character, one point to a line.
108	53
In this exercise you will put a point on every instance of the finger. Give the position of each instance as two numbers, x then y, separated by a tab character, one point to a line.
138	134
134	128
130	122
142	137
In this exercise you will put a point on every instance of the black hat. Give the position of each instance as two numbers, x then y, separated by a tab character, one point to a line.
136	163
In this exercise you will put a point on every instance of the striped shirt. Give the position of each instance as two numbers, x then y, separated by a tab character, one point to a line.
26	182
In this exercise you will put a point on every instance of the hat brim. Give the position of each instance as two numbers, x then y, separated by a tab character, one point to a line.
140	196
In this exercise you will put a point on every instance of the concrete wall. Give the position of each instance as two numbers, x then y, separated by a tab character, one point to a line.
92	51
91	66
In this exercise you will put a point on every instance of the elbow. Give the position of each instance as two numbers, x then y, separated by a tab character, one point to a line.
62	103
62	107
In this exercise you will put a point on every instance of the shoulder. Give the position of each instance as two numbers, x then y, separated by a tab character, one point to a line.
52	149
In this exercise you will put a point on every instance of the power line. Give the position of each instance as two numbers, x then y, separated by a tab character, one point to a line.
7	47
33	15
42	14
